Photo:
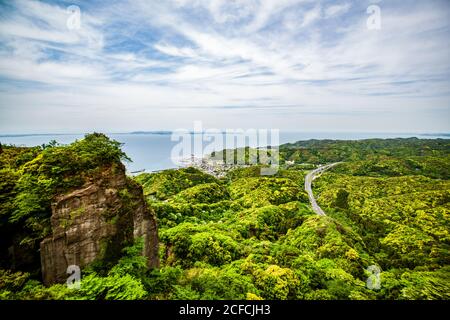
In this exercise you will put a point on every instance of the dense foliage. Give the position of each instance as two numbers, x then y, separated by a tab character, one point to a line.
247	236
30	178
323	151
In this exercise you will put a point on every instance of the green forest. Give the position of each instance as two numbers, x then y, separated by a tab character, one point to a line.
247	236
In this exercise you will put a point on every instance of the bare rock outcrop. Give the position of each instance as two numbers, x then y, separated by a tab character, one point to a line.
95	222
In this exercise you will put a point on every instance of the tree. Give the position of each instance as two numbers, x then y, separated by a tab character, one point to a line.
342	199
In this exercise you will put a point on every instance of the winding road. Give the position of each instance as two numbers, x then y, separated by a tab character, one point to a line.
309	179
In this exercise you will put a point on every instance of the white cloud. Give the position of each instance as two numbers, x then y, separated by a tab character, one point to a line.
268	9
176	51
44	22
230	11
312	16
156	58
336	10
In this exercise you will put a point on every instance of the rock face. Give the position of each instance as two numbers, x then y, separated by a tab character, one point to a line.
95	222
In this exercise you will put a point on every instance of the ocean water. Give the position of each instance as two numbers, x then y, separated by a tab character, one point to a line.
153	151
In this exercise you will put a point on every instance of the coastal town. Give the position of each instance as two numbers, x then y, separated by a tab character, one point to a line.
215	167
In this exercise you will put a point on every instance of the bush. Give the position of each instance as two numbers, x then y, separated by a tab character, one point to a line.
213	248
203	193
276	283
209	283
188	243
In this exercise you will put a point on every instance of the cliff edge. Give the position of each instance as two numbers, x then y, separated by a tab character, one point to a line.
95	222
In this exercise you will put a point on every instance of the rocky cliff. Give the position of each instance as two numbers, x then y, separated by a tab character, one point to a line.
95	222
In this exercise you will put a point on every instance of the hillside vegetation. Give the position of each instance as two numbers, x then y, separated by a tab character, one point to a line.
387	206
245	236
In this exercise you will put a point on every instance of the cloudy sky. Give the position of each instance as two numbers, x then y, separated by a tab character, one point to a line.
289	64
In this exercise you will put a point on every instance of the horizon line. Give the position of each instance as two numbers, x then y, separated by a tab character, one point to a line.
167	132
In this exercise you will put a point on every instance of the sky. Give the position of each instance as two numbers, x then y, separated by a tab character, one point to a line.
302	65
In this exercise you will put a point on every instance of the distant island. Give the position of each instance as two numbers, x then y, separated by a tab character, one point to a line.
162	132
436	134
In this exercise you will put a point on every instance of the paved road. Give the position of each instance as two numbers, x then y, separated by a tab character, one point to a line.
308	180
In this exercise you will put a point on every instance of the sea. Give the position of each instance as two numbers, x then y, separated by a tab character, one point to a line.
153	151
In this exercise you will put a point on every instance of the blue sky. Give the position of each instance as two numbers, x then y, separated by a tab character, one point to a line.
287	64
